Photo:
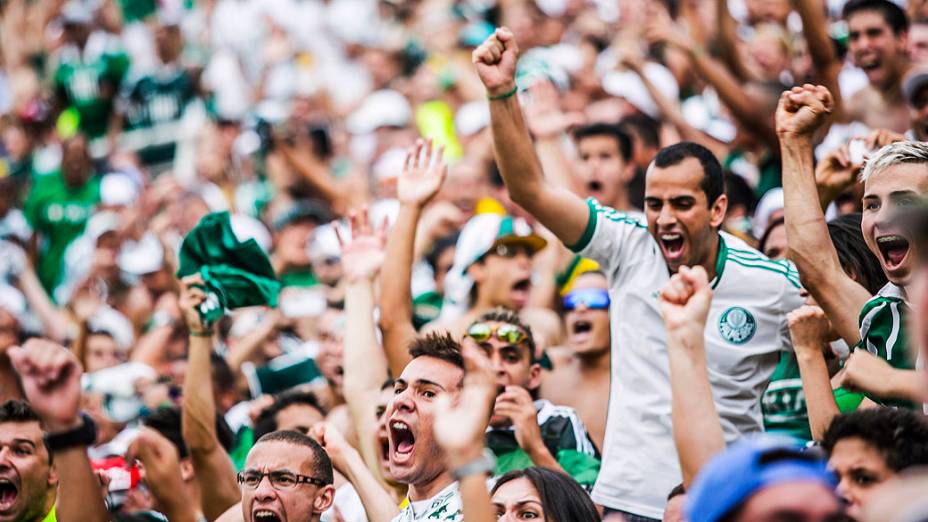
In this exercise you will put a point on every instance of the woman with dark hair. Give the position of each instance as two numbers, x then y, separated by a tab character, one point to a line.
542	494
527	494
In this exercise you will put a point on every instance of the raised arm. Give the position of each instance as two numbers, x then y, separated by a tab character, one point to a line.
697	430
51	380
213	467
801	111
557	208
825	61
162	474
364	362
728	42
808	327
422	176
378	503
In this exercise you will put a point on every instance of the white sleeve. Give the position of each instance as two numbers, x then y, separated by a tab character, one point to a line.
790	300
614	239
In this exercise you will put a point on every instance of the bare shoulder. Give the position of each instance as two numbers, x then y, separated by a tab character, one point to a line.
546	326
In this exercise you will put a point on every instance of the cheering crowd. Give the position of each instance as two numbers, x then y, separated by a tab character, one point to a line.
402	260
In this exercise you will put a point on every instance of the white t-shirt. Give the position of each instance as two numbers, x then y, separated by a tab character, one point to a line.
745	331
446	506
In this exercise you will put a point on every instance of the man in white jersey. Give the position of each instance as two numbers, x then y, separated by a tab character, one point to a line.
685	206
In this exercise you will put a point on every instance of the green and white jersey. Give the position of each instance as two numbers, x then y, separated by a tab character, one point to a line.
153	105
745	334
882	327
88	80
446	506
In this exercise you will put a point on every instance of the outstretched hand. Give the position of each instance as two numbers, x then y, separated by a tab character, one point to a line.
363	252
51	380
459	427
802	110
685	301
495	60
423	173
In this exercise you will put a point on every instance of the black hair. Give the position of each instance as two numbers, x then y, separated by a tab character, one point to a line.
221	373
899	435
713	179
642	127
562	499
739	193
267	419
167	422
894	15
607	129
439	247
438	345
387	384
505	315
677	490
855	257
321	465
15	410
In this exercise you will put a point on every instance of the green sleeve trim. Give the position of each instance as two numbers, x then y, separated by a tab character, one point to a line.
590	228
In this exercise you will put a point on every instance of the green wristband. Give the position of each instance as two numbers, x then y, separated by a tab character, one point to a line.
505	95
204	333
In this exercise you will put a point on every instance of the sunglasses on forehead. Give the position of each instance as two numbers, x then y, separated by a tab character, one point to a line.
510	250
592	298
508	333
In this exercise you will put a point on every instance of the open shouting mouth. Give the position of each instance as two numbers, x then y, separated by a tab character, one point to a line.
402	442
894	249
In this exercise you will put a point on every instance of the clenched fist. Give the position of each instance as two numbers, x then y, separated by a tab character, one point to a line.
802	110
495	61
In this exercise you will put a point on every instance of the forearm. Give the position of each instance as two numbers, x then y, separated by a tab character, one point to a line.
728	42
554	162
215	475
697	430
816	385
316	174
248	346
53	321
821	48
80	498
907	385
150	348
810	246
542	458
198	407
378	503
476	499
396	295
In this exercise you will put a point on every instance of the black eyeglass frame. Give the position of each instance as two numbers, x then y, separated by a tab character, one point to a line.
298	479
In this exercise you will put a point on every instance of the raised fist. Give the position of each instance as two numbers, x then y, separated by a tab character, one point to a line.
495	61
802	110
685	301
51	379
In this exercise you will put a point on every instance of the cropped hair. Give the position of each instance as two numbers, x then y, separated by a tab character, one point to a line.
438	345
607	129
713	178
267	419
894	15
915	152
505	315
321	464
562	499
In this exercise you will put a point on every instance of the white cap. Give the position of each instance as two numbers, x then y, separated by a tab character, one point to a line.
389	165
383	108
115	324
324	242
770	203
472	118
247	227
141	257
117	189
627	85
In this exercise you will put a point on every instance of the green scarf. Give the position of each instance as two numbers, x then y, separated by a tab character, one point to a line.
235	273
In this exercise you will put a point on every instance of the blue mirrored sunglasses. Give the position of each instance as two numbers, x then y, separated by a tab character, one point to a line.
592	298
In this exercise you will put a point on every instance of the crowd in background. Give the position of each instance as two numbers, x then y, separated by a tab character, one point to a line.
570	260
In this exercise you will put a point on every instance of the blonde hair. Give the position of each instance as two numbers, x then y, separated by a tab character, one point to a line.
894	154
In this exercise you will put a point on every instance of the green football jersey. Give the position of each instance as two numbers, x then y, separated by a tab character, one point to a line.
88	82
58	214
153	105
784	402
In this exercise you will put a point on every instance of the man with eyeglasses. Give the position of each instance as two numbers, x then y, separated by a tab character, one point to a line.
287	477
525	432
685	206
580	374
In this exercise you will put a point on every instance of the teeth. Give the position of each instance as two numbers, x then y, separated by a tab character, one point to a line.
399	426
264	514
889	239
670	237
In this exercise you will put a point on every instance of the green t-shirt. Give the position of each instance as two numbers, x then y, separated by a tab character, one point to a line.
89	84
58	214
133	10
784	402
153	105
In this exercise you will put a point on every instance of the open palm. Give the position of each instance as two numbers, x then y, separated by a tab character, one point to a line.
362	254
461	426
423	173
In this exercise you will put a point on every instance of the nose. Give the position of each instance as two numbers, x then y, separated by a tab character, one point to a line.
402	401
666	217
265	491
844	492
497	360
524	258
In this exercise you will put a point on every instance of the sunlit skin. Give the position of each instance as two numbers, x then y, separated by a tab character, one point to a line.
587	329
876	49
679	216
101	352
673	511
305	502
24	461
382	434
793	501
518	500
860	468
298	417
415	456
602	172
885	193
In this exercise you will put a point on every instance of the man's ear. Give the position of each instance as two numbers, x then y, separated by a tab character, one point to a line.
628	172
534	377
476	272
53	476
324	499
718	210
186	470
